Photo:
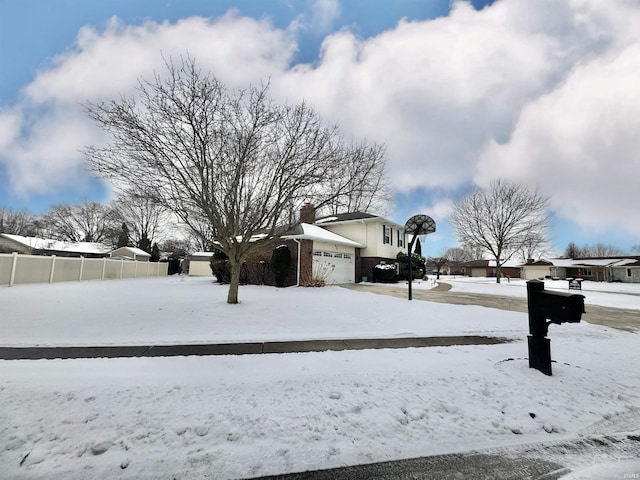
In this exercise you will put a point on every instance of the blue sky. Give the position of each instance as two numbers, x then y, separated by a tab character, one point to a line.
542	93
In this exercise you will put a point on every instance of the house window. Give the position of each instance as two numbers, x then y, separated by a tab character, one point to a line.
400	239
629	272
316	253
337	255
386	238
347	256
327	254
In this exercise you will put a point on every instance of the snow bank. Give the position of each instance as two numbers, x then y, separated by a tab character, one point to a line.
243	416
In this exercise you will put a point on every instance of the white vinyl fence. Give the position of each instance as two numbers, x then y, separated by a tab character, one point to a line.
17	269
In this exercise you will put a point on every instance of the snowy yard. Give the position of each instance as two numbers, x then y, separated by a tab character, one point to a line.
241	416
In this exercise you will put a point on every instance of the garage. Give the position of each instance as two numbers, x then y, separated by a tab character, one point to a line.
334	267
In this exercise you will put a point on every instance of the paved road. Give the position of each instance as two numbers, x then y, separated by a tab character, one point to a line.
620	318
541	461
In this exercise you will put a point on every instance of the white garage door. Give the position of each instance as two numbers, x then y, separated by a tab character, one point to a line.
334	267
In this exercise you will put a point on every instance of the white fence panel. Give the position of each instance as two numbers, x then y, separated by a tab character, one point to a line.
66	269
18	269
6	264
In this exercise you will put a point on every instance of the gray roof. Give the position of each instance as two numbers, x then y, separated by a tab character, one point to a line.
344	217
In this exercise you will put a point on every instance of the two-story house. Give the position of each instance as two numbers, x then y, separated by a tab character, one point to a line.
340	248
380	239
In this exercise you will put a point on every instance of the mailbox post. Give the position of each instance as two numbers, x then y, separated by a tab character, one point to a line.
556	307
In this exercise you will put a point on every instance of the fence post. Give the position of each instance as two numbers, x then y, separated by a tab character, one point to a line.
81	268
53	268
13	269
104	266
135	271
121	267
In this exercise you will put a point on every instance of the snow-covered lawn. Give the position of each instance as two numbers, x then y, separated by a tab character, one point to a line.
241	416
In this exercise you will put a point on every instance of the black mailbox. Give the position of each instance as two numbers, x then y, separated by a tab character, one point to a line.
558	307
547	307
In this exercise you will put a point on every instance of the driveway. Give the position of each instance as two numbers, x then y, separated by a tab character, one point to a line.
620	318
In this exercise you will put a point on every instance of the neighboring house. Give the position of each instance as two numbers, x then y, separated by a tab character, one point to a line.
600	269
41	246
538	269
336	249
487	268
130	253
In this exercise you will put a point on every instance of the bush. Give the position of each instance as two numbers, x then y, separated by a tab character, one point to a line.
280	263
318	276
384	272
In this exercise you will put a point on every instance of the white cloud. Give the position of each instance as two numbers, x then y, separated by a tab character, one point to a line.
544	93
46	157
580	145
324	13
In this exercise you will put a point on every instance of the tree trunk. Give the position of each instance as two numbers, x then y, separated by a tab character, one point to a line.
498	270
232	296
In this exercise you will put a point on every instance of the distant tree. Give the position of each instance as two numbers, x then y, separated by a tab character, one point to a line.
144	244
573	251
146	218
85	222
535	246
155	253
500	220
602	250
458	255
418	247
231	165
588	251
17	222
123	238
437	263
179	248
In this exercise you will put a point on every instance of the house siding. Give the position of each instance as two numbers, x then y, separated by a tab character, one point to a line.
370	235
531	272
9	246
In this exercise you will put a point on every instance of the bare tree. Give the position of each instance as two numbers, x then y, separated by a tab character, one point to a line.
536	245
145	217
458	255
587	251
361	185
16	222
500	220
230	164
85	222
602	250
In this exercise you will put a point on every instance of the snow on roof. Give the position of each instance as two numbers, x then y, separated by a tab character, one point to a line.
592	262
202	254
314	232
135	251
57	245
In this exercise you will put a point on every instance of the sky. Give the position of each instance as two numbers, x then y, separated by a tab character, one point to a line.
541	93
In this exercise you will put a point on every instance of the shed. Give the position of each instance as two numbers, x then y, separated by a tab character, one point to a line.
131	253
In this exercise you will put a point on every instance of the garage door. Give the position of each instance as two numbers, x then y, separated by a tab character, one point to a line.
334	267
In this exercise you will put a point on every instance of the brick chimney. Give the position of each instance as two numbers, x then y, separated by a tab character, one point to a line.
308	213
